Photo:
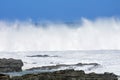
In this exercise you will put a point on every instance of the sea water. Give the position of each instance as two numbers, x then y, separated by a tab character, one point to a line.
87	41
109	60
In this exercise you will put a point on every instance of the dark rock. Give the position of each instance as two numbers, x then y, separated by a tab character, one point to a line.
83	64
4	77
62	75
94	65
67	75
10	65
41	56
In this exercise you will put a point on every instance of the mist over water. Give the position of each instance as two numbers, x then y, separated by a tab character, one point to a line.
102	33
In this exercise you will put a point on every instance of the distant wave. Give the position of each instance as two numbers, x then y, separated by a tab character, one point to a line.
102	33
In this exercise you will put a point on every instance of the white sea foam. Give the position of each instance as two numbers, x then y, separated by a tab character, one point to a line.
102	33
20	39
109	60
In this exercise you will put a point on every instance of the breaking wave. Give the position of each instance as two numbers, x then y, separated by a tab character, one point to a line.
101	33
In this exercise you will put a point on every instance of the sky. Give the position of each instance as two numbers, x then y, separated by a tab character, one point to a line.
58	10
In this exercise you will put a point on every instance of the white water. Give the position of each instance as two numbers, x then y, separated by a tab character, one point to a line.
19	39
99	34
108	59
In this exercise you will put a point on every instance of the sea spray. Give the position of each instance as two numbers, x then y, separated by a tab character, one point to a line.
101	33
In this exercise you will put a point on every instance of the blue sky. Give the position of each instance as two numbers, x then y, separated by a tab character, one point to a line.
58	10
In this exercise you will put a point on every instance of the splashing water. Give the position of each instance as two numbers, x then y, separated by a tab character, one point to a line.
102	33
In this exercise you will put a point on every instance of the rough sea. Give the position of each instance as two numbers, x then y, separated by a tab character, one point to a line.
53	43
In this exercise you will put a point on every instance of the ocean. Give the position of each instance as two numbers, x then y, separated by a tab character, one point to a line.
109	60
53	43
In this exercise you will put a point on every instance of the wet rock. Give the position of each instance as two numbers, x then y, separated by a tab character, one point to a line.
67	75
41	56
94	65
10	65
83	64
4	77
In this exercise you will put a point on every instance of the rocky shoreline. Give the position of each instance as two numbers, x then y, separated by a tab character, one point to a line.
62	75
13	65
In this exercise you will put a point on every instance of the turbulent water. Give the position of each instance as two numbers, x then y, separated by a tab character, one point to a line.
102	33
87	41
109	60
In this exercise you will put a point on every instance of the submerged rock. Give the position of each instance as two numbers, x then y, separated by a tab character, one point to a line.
53	67
41	56
10	65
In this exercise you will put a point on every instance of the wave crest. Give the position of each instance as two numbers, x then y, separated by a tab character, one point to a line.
102	33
